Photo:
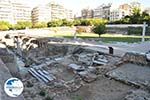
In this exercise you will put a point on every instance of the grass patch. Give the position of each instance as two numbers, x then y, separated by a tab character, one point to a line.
105	37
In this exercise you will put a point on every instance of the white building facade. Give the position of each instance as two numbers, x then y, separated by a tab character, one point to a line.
6	11
102	11
121	12
60	12
41	13
13	11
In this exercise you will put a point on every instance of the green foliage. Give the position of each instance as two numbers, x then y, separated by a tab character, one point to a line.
136	18
67	23
134	30
86	22
40	25
99	29
76	22
55	23
4	25
23	25
4	28
92	22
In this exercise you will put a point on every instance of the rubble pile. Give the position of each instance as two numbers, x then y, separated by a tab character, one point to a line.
138	95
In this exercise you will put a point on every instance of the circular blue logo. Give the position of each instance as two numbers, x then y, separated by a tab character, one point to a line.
13	87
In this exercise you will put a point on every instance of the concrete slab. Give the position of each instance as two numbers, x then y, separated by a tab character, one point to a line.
133	74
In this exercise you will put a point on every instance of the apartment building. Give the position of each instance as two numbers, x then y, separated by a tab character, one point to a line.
60	12
69	14
121	12
102	11
12	11
41	13
87	13
21	12
6	11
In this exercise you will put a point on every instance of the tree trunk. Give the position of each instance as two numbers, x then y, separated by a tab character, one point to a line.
99	35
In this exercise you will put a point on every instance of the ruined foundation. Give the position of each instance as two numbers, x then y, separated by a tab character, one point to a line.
52	67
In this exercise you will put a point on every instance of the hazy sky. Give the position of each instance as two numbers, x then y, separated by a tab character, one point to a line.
77	5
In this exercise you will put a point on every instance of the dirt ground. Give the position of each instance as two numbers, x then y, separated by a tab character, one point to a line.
102	89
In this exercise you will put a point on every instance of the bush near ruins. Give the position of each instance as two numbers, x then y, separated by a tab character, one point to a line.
55	23
4	26
76	22
40	25
23	25
99	29
135	30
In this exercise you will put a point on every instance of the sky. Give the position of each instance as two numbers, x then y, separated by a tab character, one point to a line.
77	5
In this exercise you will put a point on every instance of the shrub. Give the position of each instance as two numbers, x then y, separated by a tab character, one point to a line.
86	22
40	25
67	23
99	29
55	23
134	30
23	25
4	25
77	22
4	28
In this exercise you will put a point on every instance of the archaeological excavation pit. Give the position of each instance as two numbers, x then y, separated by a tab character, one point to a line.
66	70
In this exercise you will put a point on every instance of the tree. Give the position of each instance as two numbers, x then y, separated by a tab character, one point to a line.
76	22
136	18
4	25
99	29
4	28
23	25
40	25
55	23
66	22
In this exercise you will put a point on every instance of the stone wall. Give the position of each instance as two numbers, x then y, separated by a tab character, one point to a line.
134	57
10	61
4	75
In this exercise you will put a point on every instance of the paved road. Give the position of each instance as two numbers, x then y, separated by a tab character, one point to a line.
121	49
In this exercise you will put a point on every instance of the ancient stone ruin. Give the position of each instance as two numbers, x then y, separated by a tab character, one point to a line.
53	67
